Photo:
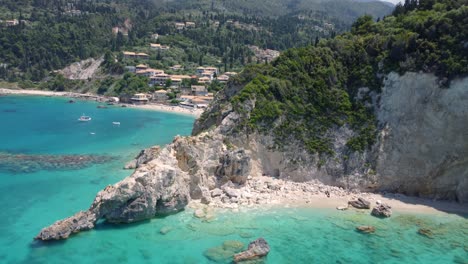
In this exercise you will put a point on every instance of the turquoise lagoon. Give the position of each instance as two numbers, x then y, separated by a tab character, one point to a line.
30	200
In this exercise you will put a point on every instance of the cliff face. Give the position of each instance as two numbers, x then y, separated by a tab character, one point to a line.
424	141
421	150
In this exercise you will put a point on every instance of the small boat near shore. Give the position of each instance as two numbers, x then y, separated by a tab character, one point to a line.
116	123
84	118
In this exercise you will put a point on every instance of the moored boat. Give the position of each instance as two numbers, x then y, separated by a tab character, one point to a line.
84	118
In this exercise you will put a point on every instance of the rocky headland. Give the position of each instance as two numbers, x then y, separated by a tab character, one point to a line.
420	151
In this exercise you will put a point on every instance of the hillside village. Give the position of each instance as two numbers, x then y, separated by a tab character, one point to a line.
186	90
180	86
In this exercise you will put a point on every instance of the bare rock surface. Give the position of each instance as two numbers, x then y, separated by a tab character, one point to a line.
257	249
82	70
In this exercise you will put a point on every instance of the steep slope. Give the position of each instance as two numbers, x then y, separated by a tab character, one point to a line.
340	113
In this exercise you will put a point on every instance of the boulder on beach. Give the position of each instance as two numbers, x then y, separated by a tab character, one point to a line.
257	249
382	210
360	203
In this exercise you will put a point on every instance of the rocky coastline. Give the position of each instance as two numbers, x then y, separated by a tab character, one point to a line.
221	167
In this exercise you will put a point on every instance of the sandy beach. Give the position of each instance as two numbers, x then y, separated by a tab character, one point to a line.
151	106
267	192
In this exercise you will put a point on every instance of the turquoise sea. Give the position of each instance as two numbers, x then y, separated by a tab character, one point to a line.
53	166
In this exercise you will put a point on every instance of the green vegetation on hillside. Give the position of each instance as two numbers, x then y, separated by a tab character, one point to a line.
53	34
308	92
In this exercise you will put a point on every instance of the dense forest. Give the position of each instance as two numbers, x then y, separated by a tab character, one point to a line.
52	34
307	92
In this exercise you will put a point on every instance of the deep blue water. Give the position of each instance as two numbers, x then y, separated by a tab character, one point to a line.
32	126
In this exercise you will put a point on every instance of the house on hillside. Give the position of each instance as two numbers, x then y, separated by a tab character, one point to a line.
179	25
204	80
189	24
158	46
149	72
223	78
159	79
143	56
12	22
135	55
140	67
205	70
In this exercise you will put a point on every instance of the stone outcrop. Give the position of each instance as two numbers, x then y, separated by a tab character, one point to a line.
257	249
82	70
163	183
360	203
64	228
234	166
382	210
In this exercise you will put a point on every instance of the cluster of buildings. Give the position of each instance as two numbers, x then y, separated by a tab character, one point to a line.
189	96
158	77
204	75
262	55
196	96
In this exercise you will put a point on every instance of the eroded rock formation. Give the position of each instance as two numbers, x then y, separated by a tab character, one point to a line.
179	172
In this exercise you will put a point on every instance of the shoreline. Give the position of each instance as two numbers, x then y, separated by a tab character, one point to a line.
277	193
266	193
92	97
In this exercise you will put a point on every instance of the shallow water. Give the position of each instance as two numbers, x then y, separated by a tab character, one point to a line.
30	201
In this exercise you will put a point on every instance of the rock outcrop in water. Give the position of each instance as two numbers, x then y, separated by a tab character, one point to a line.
181	171
257	249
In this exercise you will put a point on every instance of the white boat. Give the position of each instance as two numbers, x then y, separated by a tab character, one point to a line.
116	123
84	118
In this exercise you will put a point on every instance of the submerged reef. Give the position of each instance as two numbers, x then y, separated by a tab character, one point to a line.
27	163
